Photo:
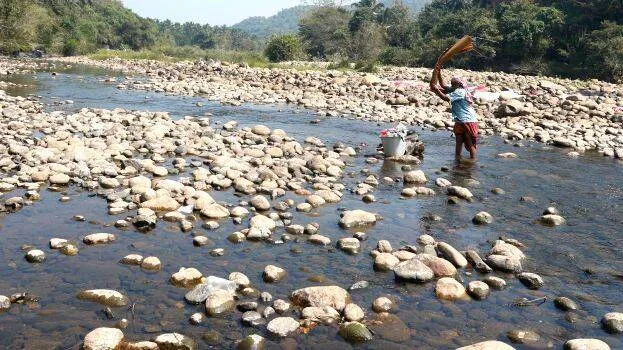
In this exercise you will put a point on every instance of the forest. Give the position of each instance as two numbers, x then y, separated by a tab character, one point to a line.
572	38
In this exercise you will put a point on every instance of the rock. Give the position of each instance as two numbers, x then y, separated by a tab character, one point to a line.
440	267
151	263
215	211
355	332
59	179
319	239
273	274
186	277
352	312
197	318
384	246
507	155
552	220
98	238
482	218
349	244
415	176
5	303
495	282
141	345
260	203
460	192
108	182
413	271
478	290
69	249
488	345
333	296
281	306
500	247
612	322
565	304
163	203
510	108
477	262
219	302
450	289
252	318
586	344
385	262
57	243
105	297
357	218
132	259
252	342
175	341
103	339
441	182
282	326
523	337
211	284
359	285
382	304
35	256
504	263
240	279
451	254
323	315
530	280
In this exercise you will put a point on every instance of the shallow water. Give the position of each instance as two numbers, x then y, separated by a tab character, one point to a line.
581	259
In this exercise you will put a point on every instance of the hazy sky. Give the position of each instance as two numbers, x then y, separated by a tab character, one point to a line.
214	12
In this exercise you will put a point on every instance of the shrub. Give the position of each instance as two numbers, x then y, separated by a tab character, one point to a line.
283	48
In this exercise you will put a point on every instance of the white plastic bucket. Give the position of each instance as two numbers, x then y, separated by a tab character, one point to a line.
393	146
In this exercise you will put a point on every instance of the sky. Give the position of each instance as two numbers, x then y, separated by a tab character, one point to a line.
213	12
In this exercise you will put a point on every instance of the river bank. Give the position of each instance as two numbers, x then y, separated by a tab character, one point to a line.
580	115
148	229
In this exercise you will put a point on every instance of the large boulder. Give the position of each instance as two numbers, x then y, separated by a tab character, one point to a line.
413	271
586	344
450	289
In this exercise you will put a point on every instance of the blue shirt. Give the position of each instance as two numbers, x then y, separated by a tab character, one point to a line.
462	111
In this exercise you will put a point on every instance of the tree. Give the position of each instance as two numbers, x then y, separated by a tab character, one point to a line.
282	48
324	32
603	52
366	11
13	34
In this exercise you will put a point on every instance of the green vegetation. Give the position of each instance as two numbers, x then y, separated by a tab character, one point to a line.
568	38
286	21
284	47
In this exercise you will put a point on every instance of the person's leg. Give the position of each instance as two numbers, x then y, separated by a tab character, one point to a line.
469	146
459	145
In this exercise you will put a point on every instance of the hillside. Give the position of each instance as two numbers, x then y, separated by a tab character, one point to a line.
286	21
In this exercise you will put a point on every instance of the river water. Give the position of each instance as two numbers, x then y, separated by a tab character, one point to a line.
581	260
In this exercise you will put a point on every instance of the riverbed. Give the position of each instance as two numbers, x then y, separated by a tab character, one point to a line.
581	259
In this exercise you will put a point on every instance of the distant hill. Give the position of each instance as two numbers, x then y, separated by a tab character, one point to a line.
286	21
283	22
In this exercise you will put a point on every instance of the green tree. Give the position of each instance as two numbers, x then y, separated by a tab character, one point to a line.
13	33
324	32
603	52
366	11
283	48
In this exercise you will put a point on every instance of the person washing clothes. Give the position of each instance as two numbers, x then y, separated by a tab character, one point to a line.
463	114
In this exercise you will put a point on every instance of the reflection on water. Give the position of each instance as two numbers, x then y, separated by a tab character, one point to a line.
581	260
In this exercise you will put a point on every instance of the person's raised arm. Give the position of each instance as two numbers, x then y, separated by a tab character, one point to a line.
439	77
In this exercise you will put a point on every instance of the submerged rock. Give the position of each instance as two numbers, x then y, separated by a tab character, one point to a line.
523	336
355	332
252	342
565	304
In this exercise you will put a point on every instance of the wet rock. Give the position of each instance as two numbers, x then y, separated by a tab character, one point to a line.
252	318
450	289
323	315
565	304
523	336
186	277
530	280
105	297
357	218
151	263
478	290
355	332
349	245
413	271
57	243
441	182
59	179
474	258
352	312
500	247
495	282
612	322
319	240
103	339
451	254
240	279
333	296
69	249
281	306
382	304
175	341
440	267
460	192
219	302
273	274
132	259
215	211
35	256
211	284
404	255
141	345
385	262
197	318
252	342
384	246
586	344
552	220
359	285
425	240
5	303
488	345
482	218
282	326
260	203
415	176
163	203
98	238
504	263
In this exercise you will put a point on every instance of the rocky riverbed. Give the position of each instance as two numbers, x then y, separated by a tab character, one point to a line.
580	115
189	232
